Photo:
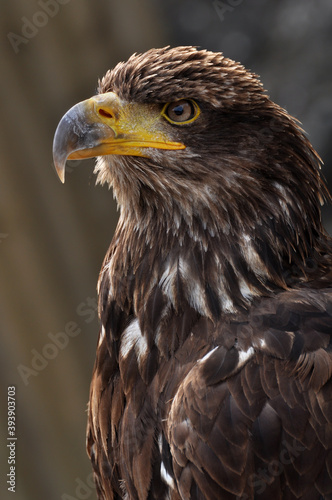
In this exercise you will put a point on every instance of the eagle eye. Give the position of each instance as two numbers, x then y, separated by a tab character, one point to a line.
181	112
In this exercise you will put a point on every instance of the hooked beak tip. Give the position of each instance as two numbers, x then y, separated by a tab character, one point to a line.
59	158
61	173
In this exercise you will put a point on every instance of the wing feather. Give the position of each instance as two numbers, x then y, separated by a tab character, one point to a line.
272	414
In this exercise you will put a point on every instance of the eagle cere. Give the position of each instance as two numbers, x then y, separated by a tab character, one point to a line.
213	369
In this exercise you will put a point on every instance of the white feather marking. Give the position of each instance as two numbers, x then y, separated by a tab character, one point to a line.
262	343
252	258
246	292
101	336
284	197
160	443
227	304
132	338
245	355
194	290
280	188
196	295
167	282
207	355
93	450
167	478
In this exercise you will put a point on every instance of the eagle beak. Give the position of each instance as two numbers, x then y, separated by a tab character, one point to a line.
106	125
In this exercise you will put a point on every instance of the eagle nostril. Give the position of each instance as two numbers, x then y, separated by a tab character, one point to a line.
104	113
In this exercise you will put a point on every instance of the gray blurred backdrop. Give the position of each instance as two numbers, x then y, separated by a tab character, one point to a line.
53	237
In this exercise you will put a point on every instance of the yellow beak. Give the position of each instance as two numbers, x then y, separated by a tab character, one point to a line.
105	125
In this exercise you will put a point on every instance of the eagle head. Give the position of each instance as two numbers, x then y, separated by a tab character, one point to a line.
192	145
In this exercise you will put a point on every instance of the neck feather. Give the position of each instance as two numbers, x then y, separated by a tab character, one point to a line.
215	271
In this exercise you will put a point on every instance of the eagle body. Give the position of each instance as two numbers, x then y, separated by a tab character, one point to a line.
212	377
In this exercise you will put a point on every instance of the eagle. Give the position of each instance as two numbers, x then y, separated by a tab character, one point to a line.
213	370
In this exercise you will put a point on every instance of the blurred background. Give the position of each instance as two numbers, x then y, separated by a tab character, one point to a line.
53	237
